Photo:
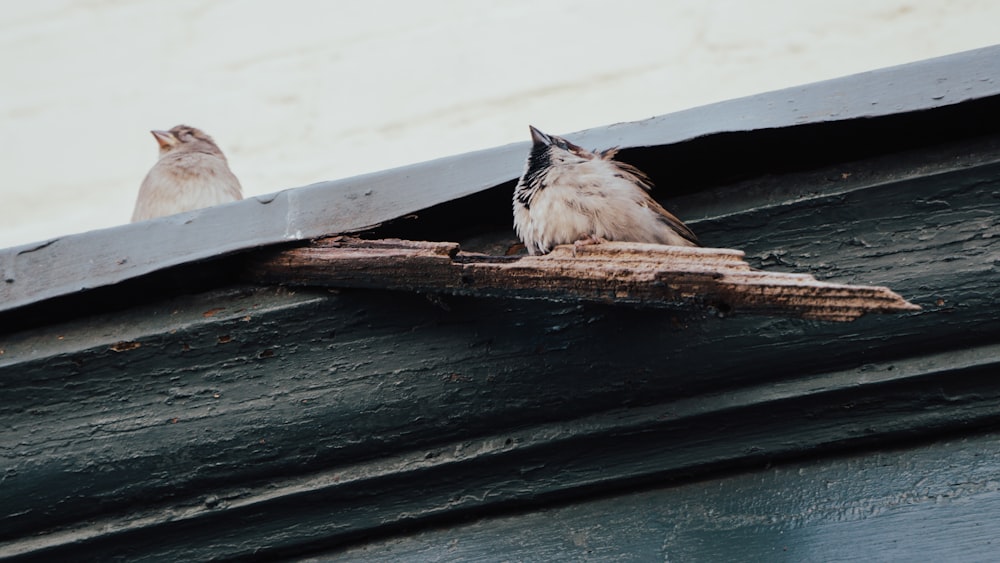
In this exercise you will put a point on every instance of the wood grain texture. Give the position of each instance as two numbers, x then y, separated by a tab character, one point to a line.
268	422
260	421
934	503
241	421
642	275
431	406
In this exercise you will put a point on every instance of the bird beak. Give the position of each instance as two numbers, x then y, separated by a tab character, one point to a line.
164	138
538	137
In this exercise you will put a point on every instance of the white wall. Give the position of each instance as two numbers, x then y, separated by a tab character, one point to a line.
301	91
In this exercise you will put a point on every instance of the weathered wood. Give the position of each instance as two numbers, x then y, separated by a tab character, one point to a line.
268	422
647	275
928	503
107	449
379	410
205	439
77	263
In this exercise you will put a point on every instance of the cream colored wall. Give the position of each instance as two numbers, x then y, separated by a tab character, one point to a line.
302	91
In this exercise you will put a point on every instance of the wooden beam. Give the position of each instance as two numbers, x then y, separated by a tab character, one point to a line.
643	275
931	503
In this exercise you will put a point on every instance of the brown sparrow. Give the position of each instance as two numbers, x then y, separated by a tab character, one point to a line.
191	173
568	194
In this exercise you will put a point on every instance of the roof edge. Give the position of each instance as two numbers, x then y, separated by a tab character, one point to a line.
61	266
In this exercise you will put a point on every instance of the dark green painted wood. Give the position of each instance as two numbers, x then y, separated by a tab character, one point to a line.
931	503
242	422
342	416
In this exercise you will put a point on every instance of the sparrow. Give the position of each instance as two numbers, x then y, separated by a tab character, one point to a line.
568	194
191	173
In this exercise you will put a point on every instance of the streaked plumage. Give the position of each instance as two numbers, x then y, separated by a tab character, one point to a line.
191	173
568	194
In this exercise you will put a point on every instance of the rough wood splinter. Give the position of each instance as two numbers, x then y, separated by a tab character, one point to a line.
644	275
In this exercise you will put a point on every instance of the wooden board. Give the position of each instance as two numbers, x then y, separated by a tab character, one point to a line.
640	275
929	503
182	421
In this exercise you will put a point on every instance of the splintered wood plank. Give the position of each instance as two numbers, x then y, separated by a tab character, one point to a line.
643	275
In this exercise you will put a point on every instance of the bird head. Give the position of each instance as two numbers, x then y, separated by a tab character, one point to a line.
559	149
550	153
185	138
555	150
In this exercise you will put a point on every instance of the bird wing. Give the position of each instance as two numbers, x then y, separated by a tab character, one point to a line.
637	176
640	179
670	220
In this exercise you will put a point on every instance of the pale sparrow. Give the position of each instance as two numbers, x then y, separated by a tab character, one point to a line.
568	194
191	173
